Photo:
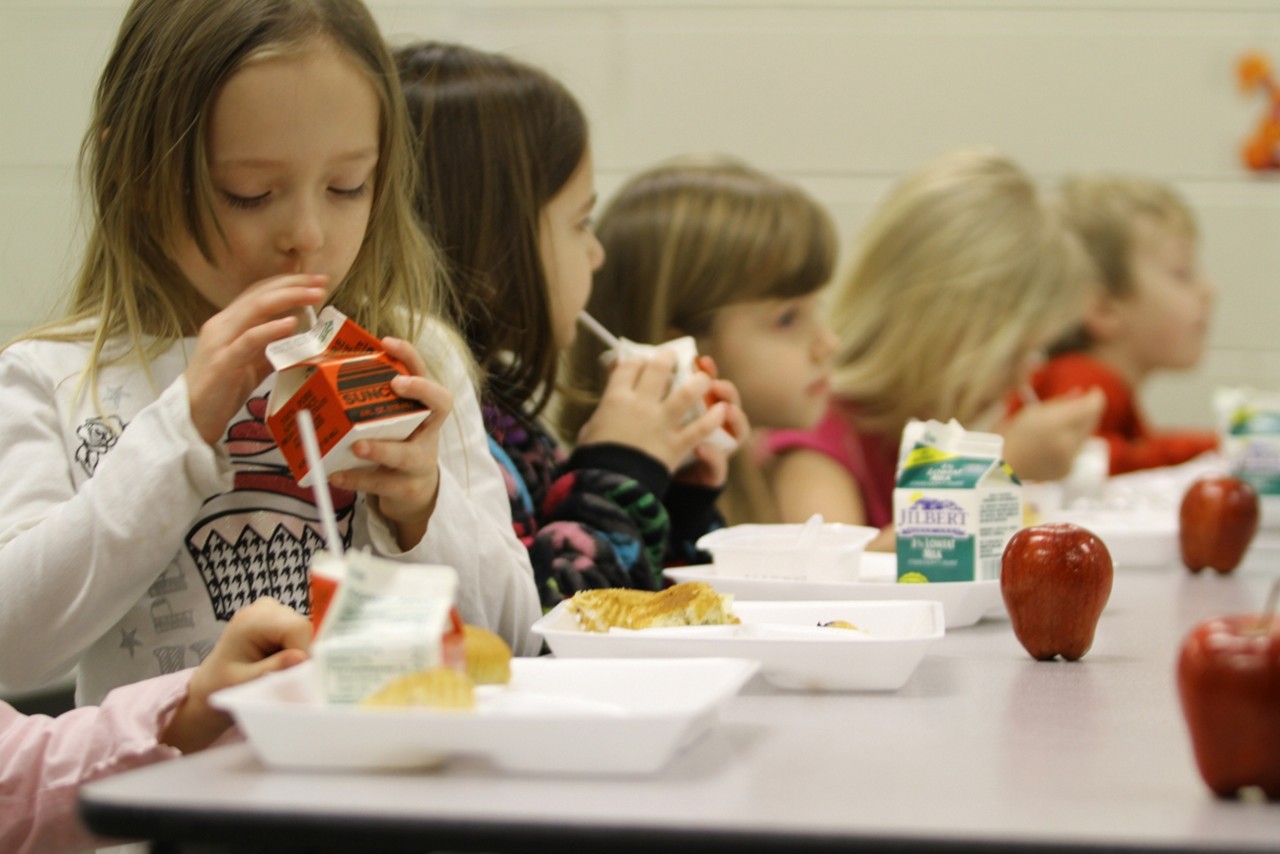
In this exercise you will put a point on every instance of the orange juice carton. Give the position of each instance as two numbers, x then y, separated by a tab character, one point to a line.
342	375
688	362
1249	434
956	503
386	619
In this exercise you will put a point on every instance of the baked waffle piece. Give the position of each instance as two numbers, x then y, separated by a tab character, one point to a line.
693	603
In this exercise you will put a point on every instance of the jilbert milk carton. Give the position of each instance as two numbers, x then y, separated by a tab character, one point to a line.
342	375
956	503
1249	432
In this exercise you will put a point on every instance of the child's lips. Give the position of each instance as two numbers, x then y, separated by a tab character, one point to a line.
819	387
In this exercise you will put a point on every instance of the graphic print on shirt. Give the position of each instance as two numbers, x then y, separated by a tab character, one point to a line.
97	436
257	540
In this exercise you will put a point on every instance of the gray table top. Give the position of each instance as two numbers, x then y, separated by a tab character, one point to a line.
983	748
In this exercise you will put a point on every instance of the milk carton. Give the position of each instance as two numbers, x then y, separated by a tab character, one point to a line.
956	503
1249	427
342	375
386	619
688	362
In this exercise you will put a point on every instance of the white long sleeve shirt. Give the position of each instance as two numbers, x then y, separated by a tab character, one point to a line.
126	541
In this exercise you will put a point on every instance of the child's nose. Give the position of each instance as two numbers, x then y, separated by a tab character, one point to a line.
303	231
596	253
826	344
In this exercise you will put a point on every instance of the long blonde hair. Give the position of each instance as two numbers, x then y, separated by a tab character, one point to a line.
144	162
961	271
682	241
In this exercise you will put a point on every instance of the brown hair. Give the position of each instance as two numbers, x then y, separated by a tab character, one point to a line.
145	162
496	139
1104	210
682	241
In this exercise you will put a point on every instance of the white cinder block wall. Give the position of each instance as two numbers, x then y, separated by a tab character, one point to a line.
843	96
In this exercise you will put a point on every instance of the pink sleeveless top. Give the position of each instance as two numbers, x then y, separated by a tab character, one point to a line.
868	459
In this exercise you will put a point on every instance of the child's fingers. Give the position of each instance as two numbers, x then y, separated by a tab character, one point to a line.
400	349
430	394
688	395
656	375
700	429
736	422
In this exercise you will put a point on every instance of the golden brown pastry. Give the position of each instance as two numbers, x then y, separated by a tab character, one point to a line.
437	688
693	603
488	656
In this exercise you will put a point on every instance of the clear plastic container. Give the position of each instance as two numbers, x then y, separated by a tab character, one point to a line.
777	551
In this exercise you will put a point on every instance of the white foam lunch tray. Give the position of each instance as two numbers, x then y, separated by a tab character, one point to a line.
556	717
963	602
794	651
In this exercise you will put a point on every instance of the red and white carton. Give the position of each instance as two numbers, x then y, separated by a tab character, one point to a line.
342	375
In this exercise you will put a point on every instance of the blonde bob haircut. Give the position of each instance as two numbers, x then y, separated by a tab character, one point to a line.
683	240
145	157
1106	211
961	274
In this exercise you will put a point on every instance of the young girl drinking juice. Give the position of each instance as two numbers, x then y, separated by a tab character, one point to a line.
507	192
709	247
1150	312
962	277
247	161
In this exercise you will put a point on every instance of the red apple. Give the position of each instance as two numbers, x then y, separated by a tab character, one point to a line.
1218	519
1229	681
1056	580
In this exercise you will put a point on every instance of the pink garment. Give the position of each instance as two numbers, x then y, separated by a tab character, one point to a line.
868	459
44	761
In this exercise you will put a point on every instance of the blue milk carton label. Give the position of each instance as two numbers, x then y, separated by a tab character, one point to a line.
1249	430
956	503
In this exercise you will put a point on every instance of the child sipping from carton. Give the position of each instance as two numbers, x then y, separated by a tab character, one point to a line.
247	161
735	259
1149	312
507	190
962	276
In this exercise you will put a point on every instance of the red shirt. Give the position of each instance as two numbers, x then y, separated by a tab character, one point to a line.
1133	443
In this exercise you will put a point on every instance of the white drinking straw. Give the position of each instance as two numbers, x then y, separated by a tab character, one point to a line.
603	334
319	483
312	320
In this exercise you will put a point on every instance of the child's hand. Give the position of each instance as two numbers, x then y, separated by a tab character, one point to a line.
1042	439
407	480
710	467
261	638
640	410
230	359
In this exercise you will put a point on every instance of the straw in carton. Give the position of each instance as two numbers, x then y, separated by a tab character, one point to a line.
319	482
600	332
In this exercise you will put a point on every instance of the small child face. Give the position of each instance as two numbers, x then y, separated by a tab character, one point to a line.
293	149
779	355
569	249
1166	317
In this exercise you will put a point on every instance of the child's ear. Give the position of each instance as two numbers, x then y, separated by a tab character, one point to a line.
1101	315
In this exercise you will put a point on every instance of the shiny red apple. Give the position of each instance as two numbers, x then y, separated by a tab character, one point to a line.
1229	681
1216	523
1055	580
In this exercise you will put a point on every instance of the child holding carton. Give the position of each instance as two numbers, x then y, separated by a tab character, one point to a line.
44	761
247	161
507	190
736	258
1150	313
962	277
